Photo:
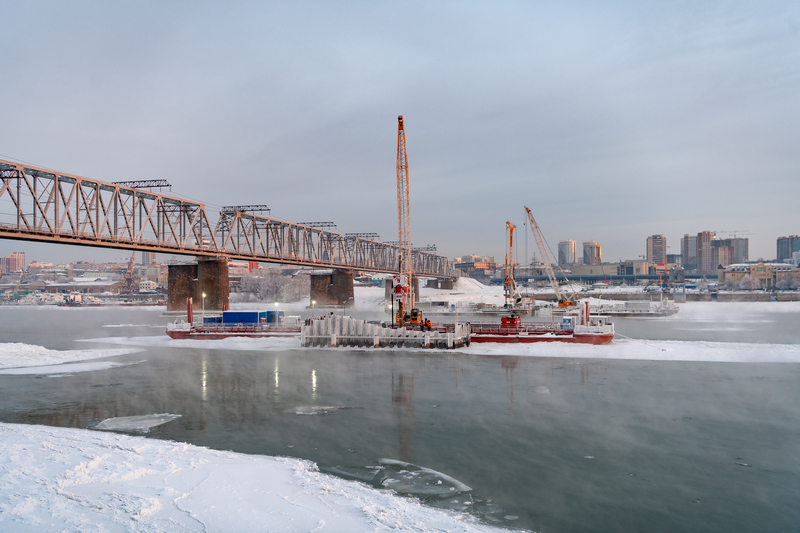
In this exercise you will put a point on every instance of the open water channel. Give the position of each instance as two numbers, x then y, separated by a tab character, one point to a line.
547	444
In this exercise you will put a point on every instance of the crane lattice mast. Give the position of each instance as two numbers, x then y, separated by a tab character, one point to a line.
537	234
404	216
510	285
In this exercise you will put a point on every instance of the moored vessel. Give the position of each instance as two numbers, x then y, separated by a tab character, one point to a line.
253	324
581	327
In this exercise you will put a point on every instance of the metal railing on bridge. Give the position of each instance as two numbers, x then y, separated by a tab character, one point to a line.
38	204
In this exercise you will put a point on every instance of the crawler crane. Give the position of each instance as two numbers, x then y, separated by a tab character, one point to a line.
563	301
403	285
512	296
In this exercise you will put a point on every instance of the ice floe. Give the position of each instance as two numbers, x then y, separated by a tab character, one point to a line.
133	424
320	409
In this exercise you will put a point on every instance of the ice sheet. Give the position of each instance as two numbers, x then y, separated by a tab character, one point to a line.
727	352
17	355
231	343
65	369
62	479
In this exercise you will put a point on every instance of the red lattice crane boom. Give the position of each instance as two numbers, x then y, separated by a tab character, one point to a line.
405	293
510	285
563	301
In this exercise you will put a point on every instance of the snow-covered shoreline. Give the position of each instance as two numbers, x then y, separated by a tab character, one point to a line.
60	479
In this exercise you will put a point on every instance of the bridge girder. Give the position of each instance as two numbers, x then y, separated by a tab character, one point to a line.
38	204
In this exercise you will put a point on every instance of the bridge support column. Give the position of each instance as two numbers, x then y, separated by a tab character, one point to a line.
332	288
205	276
389	294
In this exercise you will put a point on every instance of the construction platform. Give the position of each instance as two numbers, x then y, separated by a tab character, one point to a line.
337	330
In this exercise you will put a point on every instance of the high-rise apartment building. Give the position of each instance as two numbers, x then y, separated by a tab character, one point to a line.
13	263
689	252
17	261
675	259
707	257
787	246
657	250
566	252
148	258
592	254
731	251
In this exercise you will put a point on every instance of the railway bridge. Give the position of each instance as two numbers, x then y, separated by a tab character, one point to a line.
44	205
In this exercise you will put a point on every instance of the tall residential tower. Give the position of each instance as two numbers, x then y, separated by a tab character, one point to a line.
657	250
566	252
592	254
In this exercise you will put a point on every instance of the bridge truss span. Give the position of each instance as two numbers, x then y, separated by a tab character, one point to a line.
38	204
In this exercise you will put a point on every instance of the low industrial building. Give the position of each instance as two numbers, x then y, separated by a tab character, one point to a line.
768	275
86	287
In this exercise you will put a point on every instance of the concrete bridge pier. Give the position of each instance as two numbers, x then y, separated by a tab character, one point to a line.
444	283
332	288
209	276
387	287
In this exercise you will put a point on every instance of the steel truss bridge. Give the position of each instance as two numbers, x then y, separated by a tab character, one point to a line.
38	204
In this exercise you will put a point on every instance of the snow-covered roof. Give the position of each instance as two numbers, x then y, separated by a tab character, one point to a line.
745	267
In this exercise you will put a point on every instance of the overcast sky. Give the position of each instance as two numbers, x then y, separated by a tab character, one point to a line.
612	121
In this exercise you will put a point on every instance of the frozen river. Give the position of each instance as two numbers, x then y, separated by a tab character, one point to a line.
671	436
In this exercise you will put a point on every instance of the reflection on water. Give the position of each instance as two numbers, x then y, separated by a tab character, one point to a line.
561	444
403	403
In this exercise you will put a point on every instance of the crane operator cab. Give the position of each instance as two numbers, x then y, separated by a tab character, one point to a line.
414	317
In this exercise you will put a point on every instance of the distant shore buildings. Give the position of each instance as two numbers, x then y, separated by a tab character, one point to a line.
656	249
787	247
13	263
592	253
566	252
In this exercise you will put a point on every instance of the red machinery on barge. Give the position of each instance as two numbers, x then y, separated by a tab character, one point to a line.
579	328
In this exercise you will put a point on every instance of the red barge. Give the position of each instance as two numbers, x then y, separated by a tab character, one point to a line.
252	324
581	328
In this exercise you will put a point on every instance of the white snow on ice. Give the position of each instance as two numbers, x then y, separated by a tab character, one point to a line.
632	349
17	355
231	343
65	369
62	479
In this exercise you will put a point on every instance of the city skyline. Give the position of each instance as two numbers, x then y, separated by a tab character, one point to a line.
611	122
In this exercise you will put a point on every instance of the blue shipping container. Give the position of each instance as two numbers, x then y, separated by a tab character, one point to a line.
243	317
212	319
273	317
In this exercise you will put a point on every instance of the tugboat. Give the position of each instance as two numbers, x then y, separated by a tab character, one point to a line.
254	324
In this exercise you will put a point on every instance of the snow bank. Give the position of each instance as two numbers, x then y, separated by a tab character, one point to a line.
74	480
17	354
734	311
632	349
231	343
